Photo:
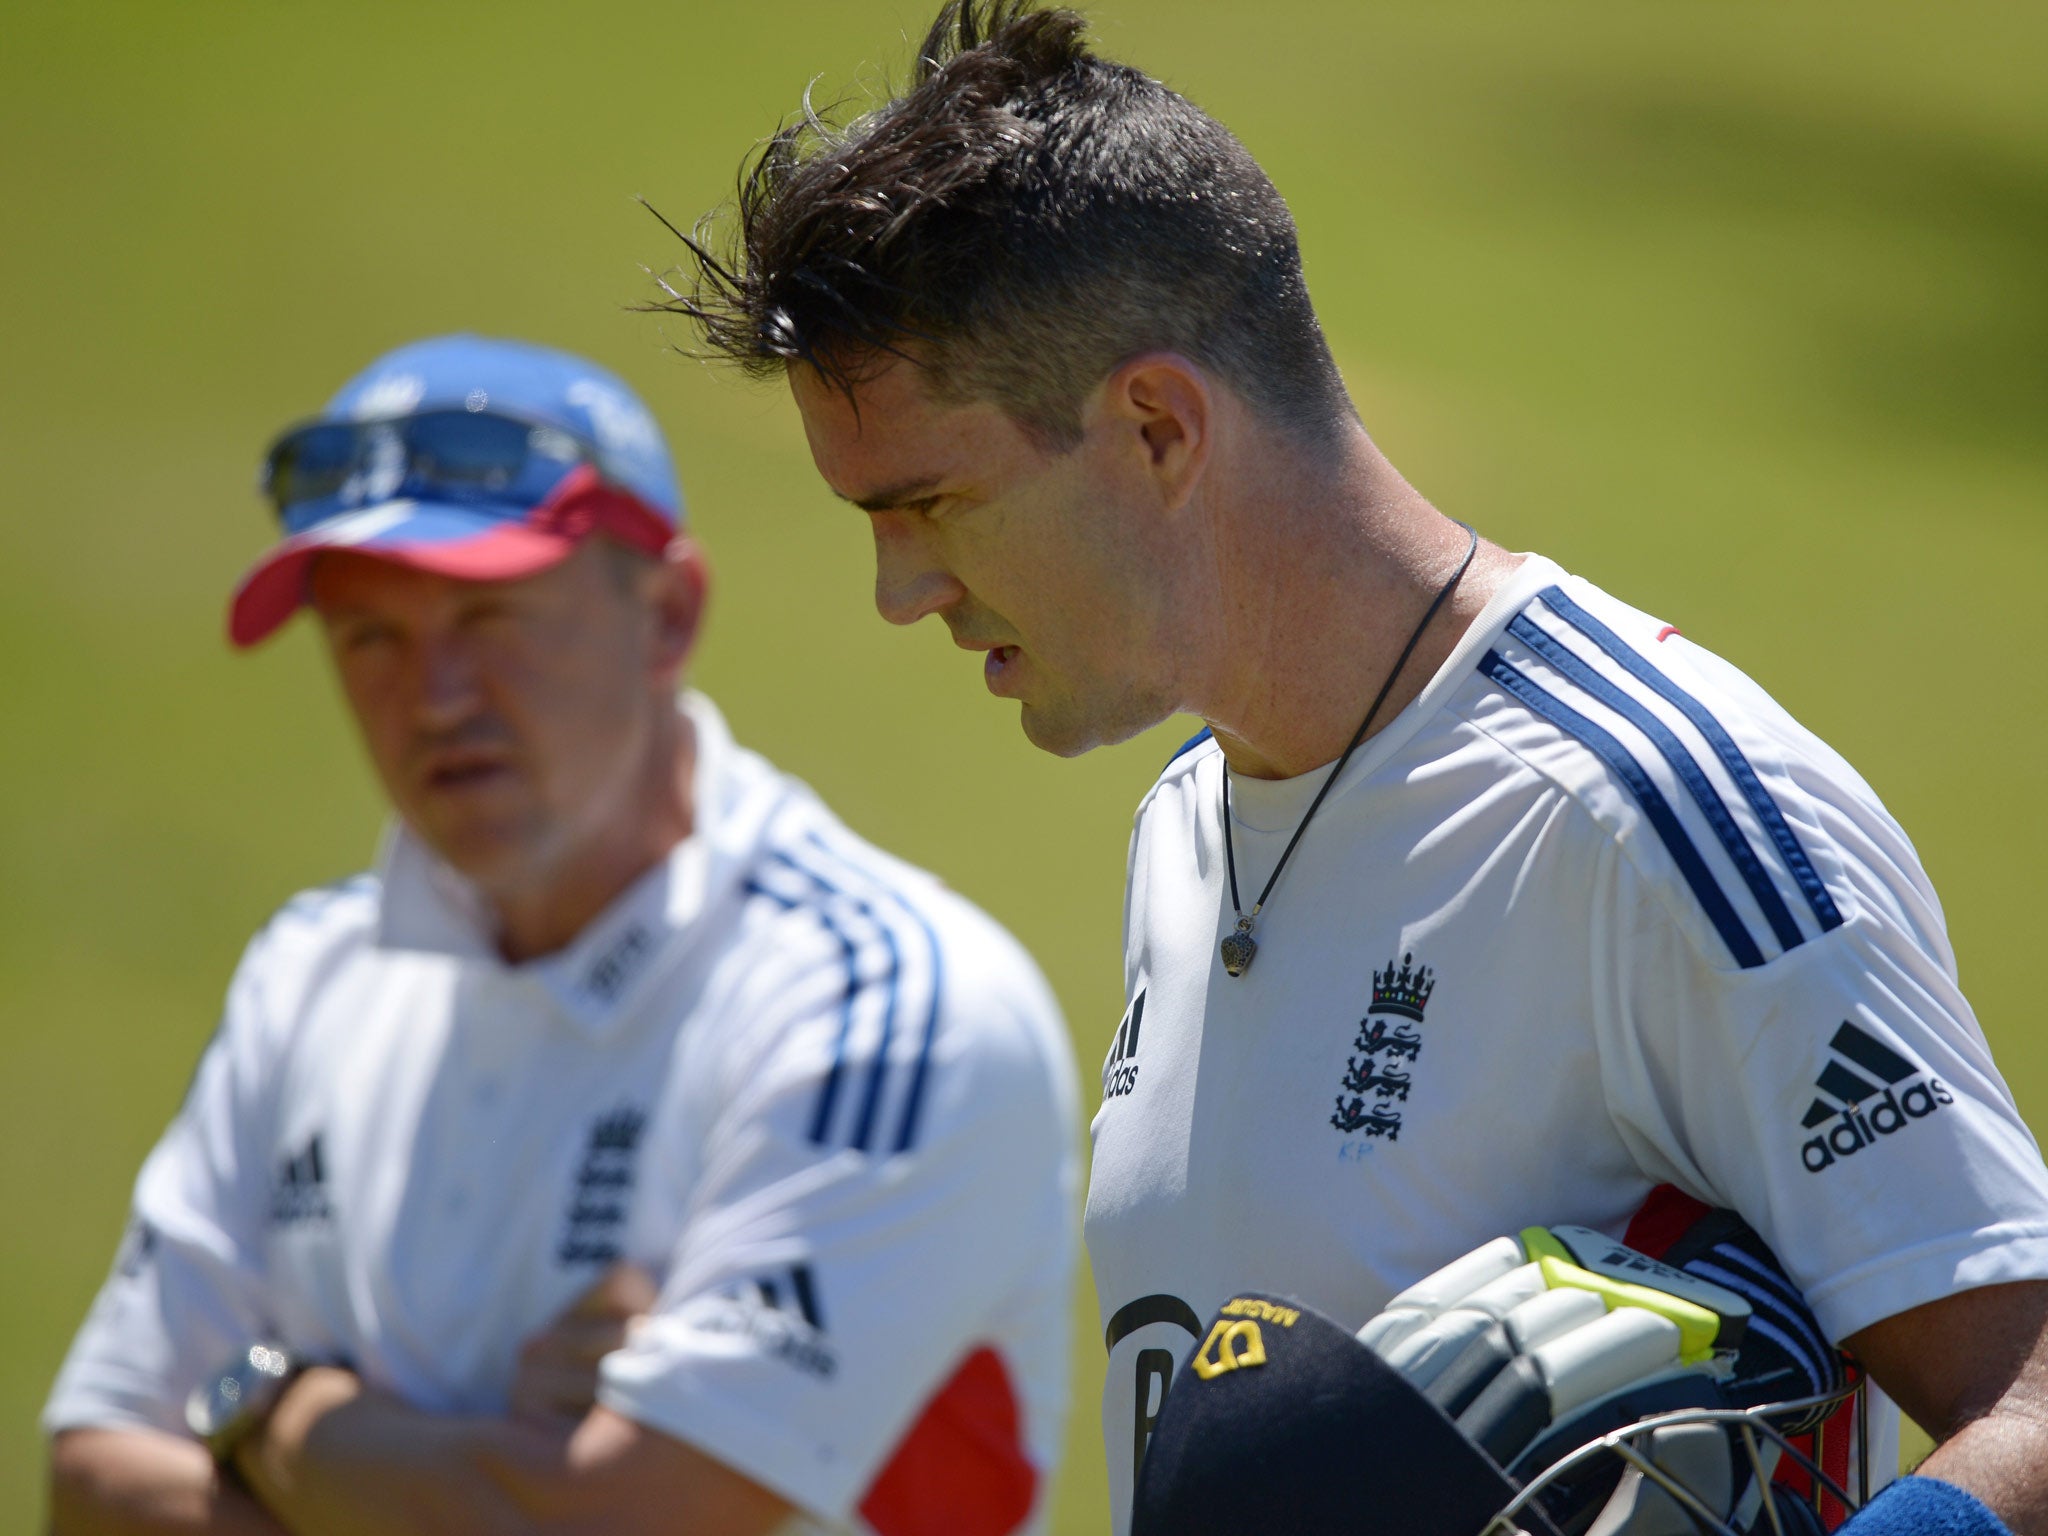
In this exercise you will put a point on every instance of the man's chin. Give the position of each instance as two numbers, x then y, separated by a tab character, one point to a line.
488	852
1065	730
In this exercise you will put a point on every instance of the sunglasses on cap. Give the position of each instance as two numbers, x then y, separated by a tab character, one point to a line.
485	459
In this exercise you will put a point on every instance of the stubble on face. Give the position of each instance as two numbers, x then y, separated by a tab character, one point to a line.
1029	555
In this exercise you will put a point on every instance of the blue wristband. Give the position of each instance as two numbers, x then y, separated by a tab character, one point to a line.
1925	1506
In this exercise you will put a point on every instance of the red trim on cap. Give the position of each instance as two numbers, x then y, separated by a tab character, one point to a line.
270	593
584	503
962	1470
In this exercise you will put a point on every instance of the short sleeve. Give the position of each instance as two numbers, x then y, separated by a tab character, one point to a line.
828	1289
185	1289
1841	1097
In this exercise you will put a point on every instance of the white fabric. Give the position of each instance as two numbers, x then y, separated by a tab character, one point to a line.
1590	1030
402	1154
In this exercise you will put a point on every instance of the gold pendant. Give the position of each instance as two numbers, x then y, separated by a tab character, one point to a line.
1240	948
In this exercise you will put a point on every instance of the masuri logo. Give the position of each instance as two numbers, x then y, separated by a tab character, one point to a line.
1229	1347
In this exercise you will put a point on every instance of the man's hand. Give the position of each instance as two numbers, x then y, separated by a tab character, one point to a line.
337	1458
268	1460
557	1377
341	1459
145	1482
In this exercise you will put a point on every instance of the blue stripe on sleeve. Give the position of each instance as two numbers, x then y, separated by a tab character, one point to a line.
828	1091
906	1131
864	1128
913	1102
821	1119
922	1068
1682	762
1656	809
845	881
878	1065
1745	776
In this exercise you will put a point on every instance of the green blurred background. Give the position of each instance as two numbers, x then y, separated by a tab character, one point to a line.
1740	309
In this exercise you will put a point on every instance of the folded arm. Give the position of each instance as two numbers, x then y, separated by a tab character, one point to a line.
144	1482
337	1459
1972	1370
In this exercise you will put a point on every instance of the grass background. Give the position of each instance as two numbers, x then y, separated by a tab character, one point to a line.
1740	309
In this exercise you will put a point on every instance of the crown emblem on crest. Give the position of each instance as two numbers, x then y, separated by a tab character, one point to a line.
1404	992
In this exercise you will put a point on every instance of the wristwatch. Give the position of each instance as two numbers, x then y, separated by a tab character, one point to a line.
233	1400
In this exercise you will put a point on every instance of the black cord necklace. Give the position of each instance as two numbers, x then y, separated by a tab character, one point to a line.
1240	948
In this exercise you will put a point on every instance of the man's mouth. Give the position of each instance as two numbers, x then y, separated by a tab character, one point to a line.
464	769
997	662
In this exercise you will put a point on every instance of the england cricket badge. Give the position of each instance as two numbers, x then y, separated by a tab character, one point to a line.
1381	1069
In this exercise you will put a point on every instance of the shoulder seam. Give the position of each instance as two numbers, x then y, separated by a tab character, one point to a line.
1642	787
1605	832
1784	842
1667	752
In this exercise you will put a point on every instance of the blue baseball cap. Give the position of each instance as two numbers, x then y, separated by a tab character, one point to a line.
466	456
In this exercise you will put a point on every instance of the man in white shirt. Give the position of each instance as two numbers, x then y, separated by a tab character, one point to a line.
637	1149
1521	907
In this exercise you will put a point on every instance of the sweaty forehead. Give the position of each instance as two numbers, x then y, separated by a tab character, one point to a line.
890	441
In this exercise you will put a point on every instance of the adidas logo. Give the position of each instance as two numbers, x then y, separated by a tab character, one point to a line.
299	1191
803	1294
791	1329
1860	1092
1120	1071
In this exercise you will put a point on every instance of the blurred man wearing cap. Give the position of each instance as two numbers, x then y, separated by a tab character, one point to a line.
636	1149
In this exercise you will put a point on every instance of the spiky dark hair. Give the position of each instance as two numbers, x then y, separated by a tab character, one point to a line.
1020	220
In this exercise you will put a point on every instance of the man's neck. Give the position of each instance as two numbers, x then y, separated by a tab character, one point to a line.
654	813
1322	569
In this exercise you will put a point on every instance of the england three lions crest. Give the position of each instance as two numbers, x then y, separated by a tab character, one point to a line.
1382	1064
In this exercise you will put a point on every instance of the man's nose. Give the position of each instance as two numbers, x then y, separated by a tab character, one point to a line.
448	688
910	581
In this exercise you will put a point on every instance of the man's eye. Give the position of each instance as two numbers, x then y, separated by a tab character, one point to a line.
363	637
497	620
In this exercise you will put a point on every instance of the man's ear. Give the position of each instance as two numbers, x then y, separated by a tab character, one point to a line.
679	587
1170	403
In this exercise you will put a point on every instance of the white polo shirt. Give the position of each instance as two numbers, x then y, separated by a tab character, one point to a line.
1591	915
824	1100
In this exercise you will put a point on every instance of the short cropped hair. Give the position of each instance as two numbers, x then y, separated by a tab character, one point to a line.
1022	219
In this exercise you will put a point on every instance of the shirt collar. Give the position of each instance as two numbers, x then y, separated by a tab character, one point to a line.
427	907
